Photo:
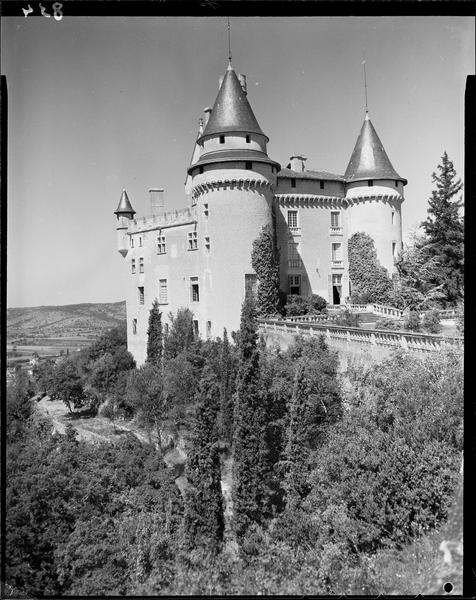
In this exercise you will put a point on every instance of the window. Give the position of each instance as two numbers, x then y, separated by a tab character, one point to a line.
163	291
396	183
248	139
141	294
194	290
209	330
394	249
337	252
248	165
132	242
293	183
200	170
205	210
141	265
207	243
294	259
192	240
335	219
251	285
393	217
133	265
292	218
370	182
321	185
336	279
195	329
140	241
161	244
134	326
222	139
294	284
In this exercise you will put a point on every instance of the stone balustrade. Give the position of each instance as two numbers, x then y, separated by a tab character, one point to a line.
414	342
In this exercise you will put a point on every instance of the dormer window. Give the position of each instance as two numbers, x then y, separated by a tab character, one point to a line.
222	139
370	182
293	183
248	139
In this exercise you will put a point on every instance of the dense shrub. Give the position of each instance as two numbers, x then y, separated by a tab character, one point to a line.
385	323
431	321
370	280
304	305
265	262
412	321
347	318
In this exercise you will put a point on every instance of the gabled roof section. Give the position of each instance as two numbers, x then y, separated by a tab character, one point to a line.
231	111
320	175
369	159
124	205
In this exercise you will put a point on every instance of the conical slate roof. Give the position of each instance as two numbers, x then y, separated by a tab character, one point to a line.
369	159
124	205
231	111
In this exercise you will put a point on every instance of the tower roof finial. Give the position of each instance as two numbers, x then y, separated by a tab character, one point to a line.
229	43
365	87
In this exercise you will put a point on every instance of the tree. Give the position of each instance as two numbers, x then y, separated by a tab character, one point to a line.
144	392
154	336
203	511
417	286
249	418
265	262
67	384
180	336
444	230
226	390
370	280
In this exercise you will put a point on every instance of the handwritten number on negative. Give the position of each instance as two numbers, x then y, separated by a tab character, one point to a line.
57	12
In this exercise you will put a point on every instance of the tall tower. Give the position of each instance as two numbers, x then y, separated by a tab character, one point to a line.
232	186
374	192
124	213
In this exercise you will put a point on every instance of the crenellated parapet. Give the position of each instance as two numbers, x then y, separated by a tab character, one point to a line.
377	197
216	184
168	219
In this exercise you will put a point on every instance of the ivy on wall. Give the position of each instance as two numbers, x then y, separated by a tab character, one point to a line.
369	279
265	262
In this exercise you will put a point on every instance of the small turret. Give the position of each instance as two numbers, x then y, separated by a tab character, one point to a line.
124	213
374	193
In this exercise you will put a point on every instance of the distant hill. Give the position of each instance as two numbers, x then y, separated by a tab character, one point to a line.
72	320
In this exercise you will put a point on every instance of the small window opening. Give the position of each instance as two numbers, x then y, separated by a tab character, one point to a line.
393	217
194	289
200	170
248	165
396	183
222	139
248	139
321	184
141	265
141	294
207	243
133	265
134	326
370	182
132	242
195	329
140	241
205	210
293	183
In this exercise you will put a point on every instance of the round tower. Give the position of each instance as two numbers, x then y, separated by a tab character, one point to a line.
232	188
124	213
374	193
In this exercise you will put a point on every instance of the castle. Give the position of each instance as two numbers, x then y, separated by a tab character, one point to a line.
200	257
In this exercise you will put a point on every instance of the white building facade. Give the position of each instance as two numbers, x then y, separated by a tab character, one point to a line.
200	257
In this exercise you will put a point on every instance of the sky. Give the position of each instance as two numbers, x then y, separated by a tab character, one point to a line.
98	104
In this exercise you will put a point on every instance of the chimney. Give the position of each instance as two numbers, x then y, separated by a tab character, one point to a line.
242	79
297	163
207	112
157	202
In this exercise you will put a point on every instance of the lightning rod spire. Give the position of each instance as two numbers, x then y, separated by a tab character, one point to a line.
365	86
229	40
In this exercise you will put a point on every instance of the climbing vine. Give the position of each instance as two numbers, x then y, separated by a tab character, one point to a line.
369	279
265	262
